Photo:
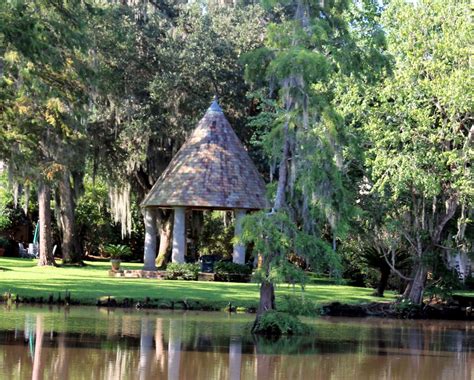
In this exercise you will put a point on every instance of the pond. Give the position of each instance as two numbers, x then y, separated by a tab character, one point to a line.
92	343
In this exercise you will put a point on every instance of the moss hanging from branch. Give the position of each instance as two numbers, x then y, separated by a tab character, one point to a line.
119	197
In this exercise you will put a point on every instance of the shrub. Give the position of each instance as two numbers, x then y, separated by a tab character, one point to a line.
294	305
185	271
407	309
11	216
224	267
96	225
275	323
232	272
4	243
469	282
117	251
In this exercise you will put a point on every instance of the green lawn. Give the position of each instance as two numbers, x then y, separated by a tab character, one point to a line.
87	284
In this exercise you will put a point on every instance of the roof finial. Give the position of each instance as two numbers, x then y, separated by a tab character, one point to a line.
215	105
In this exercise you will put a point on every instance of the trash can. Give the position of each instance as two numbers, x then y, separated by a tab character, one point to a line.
207	263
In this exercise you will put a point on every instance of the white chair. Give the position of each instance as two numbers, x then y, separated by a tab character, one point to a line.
22	251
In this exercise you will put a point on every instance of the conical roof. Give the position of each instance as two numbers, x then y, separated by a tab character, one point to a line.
211	170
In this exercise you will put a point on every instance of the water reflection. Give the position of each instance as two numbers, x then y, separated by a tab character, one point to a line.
174	349
87	343
235	357
38	347
146	347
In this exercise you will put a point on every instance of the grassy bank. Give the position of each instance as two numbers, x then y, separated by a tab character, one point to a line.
87	284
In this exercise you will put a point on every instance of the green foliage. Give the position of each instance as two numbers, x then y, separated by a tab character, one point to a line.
224	267
444	281
469	283
6	199
275	237
3	242
94	222
424	103
417	125
10	216
288	345
182	271
275	323
117	251
312	66
255	63
232	272
407	309
5	211
298	305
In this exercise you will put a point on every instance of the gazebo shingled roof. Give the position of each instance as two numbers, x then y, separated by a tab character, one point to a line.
211	170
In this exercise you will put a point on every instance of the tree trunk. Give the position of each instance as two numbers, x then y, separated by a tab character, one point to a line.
165	240
267	298
416	287
267	301
280	198
44	203
71	247
384	275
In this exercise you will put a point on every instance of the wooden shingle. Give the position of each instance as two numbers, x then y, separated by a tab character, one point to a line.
211	170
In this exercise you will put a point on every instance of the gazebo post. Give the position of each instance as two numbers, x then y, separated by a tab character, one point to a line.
150	239
179	235
238	256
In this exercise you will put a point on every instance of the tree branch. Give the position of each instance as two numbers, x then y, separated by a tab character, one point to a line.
392	266
451	206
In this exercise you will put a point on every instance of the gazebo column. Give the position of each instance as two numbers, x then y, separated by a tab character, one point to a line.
179	235
150	239
238	256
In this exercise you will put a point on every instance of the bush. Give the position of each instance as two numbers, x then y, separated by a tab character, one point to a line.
407	309
4	243
232	272
94	222
185	271
275	323
469	282
224	267
294	305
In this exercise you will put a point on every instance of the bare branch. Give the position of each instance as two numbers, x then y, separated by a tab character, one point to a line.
392	266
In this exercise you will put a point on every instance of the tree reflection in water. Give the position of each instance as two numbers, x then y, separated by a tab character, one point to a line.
37	361
146	347
174	349
235	357
91	344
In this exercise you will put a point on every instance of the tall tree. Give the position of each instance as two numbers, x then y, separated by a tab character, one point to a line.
42	91
310	49
421	130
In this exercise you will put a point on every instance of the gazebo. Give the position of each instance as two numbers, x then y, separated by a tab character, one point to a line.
211	171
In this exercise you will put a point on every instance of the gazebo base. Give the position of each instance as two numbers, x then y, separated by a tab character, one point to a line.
138	273
202	276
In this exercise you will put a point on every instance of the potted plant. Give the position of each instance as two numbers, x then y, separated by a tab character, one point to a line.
117	252
3	245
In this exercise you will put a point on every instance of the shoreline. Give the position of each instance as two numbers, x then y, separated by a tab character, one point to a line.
388	310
